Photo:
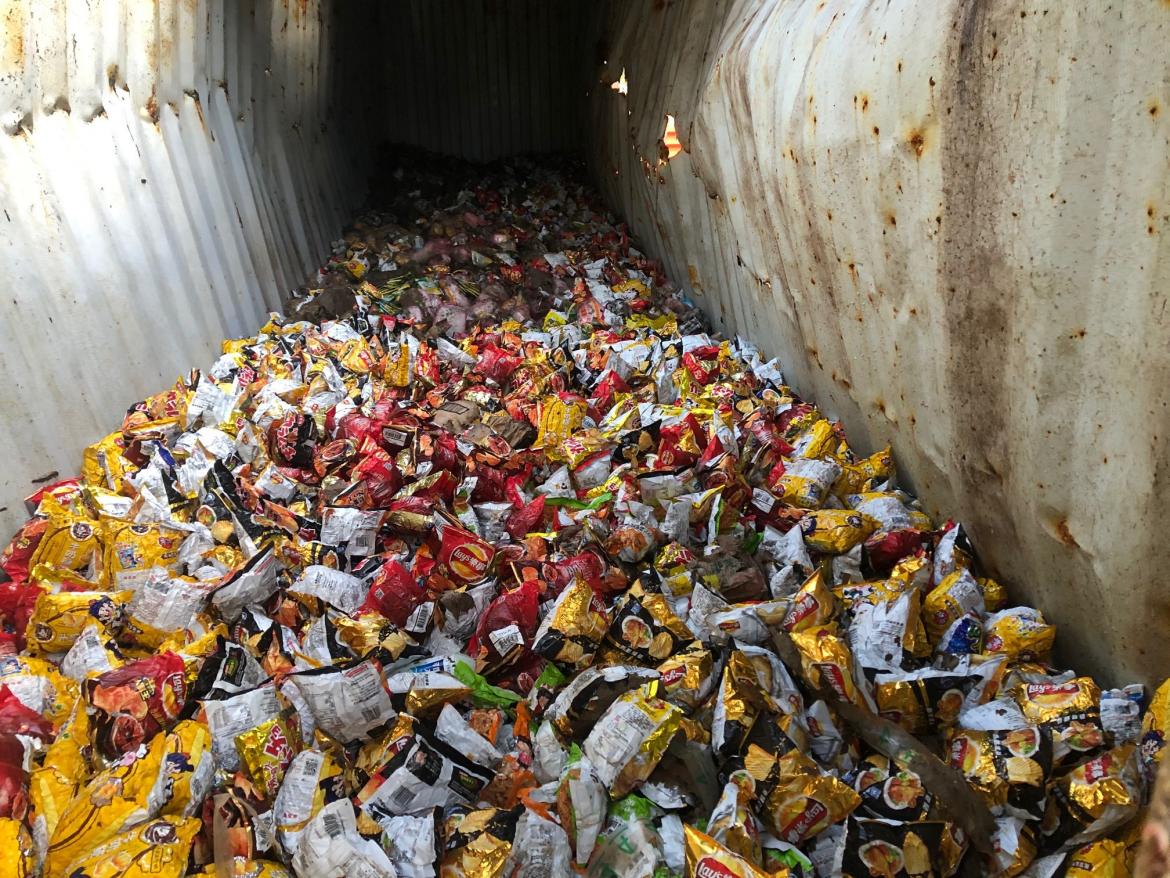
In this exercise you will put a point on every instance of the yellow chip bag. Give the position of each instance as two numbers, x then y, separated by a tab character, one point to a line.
879	466
793	797
17	855
574	628
1155	727
1106	858
812	605
130	551
835	531
103	465
64	768
105	806
707	858
1071	710
58	620
560	416
954	597
1019	633
70	540
1094	798
155	849
826	660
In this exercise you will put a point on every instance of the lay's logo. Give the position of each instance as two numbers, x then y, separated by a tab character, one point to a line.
796	831
469	561
709	867
672	676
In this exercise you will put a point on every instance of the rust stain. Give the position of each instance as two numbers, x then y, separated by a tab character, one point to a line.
152	107
891	218
14	22
917	141
1064	534
693	275
1154	108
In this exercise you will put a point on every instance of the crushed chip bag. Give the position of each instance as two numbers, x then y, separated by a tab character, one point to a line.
1019	633
812	605
645	628
631	737
794	797
1072	711
706	858
1094	798
574	628
58	619
894	849
835	531
827	661
19	854
1009	768
155	849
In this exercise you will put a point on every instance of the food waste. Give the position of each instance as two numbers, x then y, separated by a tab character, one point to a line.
488	559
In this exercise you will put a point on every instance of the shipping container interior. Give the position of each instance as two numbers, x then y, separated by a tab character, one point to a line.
948	218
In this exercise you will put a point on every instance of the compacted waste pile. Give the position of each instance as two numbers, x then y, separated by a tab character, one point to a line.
488	559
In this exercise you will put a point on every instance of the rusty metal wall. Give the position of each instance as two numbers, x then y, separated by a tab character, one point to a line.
481	79
951	219
167	170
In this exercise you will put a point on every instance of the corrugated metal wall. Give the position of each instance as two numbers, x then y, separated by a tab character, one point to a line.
167	170
952	221
482	79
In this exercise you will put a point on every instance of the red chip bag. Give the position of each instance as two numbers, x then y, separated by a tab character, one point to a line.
524	520
886	549
16	607
508	623
136	701
497	364
16	719
13	780
15	557
394	593
681	444
703	363
460	554
377	469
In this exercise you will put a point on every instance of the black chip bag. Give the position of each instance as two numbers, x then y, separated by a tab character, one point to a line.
923	849
644	627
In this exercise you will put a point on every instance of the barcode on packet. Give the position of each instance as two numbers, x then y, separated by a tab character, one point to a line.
370	714
402	797
332	824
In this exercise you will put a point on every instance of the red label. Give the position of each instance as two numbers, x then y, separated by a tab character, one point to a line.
709	867
814	812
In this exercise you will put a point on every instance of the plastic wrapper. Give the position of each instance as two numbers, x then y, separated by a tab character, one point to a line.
630	844
795	799
894	849
1097	796
1009	768
1071	711
581	804
631	737
573	628
706	858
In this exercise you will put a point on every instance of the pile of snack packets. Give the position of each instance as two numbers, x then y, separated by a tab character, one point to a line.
491	576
